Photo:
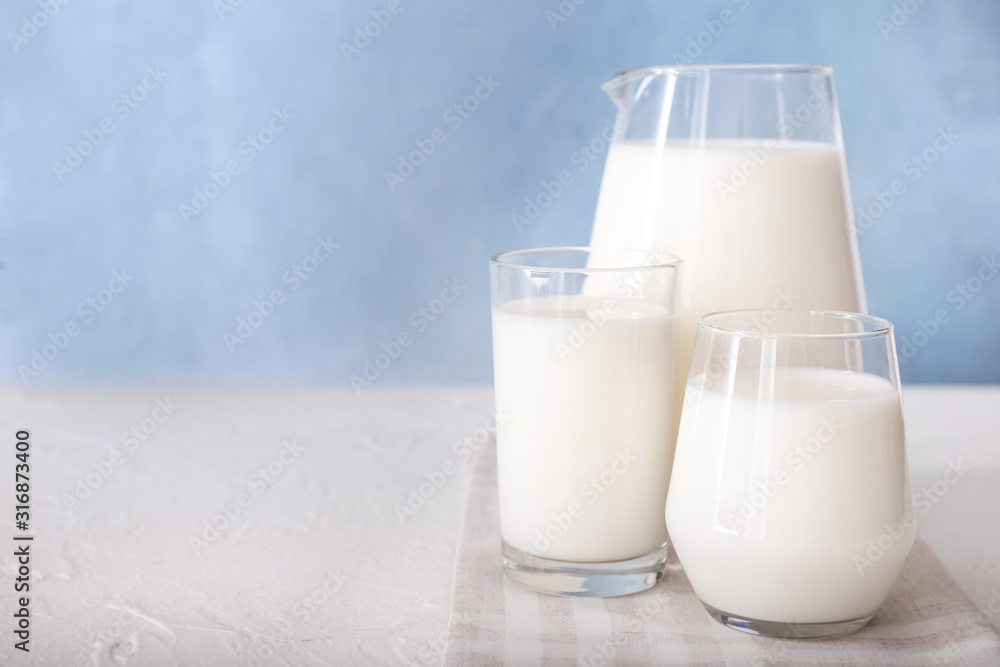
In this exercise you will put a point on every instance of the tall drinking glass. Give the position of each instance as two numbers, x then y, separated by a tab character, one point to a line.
584	350
790	504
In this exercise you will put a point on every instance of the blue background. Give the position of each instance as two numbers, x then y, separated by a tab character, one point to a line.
323	175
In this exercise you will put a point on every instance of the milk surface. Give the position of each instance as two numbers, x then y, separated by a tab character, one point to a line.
585	387
778	238
796	509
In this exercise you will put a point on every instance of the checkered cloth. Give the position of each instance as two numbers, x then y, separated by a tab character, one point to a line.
927	620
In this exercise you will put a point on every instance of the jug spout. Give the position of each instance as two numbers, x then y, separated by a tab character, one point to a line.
629	85
621	86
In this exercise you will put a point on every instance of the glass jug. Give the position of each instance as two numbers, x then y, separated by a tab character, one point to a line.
739	170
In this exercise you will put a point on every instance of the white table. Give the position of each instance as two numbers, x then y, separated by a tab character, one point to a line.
318	568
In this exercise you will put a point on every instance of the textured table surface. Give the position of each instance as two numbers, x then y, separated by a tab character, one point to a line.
315	562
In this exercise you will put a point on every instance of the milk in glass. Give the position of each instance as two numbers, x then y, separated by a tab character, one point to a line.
584	384
807	490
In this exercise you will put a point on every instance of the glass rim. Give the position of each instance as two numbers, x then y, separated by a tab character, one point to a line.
764	68
662	260
882	326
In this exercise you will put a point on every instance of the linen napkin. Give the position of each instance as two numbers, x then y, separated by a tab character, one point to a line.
927	619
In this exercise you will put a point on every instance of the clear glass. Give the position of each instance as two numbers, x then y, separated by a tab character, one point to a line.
584	349
740	170
790	505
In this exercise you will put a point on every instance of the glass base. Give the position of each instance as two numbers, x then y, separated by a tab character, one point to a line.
595	580
788	630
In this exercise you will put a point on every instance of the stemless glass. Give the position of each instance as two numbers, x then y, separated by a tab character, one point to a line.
790	505
584	351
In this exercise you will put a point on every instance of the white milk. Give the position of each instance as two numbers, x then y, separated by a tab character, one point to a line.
797	510
781	239
585	388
